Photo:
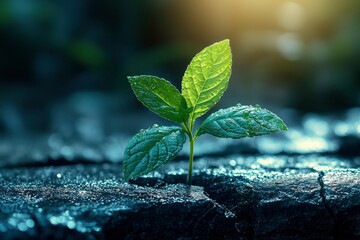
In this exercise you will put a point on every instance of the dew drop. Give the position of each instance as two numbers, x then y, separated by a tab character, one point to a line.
71	224
30	223
22	227
232	163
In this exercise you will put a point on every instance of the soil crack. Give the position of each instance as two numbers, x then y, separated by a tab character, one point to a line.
227	212
326	204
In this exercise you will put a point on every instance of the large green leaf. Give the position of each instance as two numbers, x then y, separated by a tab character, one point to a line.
160	96
151	148
206	78
241	121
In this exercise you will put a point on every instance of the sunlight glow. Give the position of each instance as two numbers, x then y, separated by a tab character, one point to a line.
291	16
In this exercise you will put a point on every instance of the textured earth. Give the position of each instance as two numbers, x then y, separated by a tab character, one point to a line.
238	197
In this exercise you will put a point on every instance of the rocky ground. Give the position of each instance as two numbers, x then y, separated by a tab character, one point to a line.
237	197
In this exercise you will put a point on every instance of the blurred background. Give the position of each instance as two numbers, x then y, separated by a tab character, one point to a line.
63	66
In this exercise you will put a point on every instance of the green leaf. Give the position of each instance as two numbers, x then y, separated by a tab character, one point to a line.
151	148
161	97
206	78
241	121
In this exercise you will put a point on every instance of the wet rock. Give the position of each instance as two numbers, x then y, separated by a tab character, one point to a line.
92	202
341	196
233	198
278	197
278	205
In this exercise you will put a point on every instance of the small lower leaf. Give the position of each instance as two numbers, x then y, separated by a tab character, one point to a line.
151	148
241	121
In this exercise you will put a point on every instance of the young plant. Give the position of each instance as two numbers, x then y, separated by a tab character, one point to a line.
204	82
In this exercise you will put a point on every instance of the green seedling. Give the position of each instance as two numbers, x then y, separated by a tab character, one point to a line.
204	82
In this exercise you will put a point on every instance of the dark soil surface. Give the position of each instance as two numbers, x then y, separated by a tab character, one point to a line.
237	197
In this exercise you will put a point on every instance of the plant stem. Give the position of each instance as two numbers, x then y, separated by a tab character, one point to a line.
191	159
189	130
